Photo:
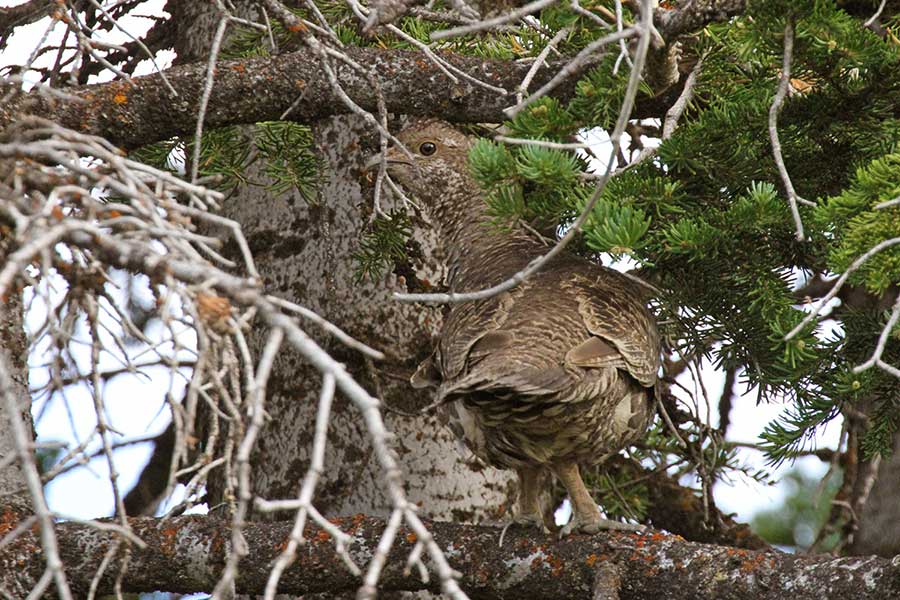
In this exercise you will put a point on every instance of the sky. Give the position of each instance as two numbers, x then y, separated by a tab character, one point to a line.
136	409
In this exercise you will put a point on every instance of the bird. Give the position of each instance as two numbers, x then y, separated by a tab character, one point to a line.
557	372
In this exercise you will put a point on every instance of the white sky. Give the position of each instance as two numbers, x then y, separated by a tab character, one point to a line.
135	406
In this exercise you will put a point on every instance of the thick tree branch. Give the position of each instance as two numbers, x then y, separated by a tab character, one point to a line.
695	15
680	509
186	554
23	14
141	111
131	114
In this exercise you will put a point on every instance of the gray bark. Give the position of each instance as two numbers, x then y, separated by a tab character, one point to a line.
879	523
185	554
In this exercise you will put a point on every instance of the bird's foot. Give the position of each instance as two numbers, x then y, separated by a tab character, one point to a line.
596	526
524	520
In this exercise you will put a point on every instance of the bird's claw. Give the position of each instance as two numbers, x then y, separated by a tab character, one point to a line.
596	526
523	521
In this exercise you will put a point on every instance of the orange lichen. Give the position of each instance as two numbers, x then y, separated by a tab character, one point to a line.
591	560
8	520
411	537
168	543
218	542
120	98
214	311
482	575
556	565
752	563
356	521
322	536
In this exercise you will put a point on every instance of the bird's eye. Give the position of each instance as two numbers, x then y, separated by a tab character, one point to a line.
427	149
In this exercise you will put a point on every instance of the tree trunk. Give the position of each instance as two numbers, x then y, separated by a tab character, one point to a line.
305	254
879	523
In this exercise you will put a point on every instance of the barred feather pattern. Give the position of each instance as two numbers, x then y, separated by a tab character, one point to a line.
562	367
527	404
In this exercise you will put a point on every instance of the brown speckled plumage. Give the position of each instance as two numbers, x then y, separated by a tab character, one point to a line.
555	372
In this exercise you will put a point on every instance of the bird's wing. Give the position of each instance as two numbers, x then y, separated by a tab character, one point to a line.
426	375
624	331
479	354
467	325
505	379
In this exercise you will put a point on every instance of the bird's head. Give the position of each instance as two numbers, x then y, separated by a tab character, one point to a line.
436	160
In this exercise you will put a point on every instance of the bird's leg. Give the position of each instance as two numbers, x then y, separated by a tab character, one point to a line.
586	517
531	483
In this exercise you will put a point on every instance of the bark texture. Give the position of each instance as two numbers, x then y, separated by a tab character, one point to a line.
693	16
185	554
879	524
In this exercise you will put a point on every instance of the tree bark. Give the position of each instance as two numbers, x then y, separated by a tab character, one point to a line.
879	523
132	114
185	554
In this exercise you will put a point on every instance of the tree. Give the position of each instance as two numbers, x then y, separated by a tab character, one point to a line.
775	173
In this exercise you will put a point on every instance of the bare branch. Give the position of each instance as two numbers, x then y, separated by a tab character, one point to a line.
783	84
587	56
875	16
886	332
856	264
484	25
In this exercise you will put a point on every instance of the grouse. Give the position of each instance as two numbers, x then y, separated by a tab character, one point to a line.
556	372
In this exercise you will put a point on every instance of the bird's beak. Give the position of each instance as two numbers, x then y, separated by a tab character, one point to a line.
390	156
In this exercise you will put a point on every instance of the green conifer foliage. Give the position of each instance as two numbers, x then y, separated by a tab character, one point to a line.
706	219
